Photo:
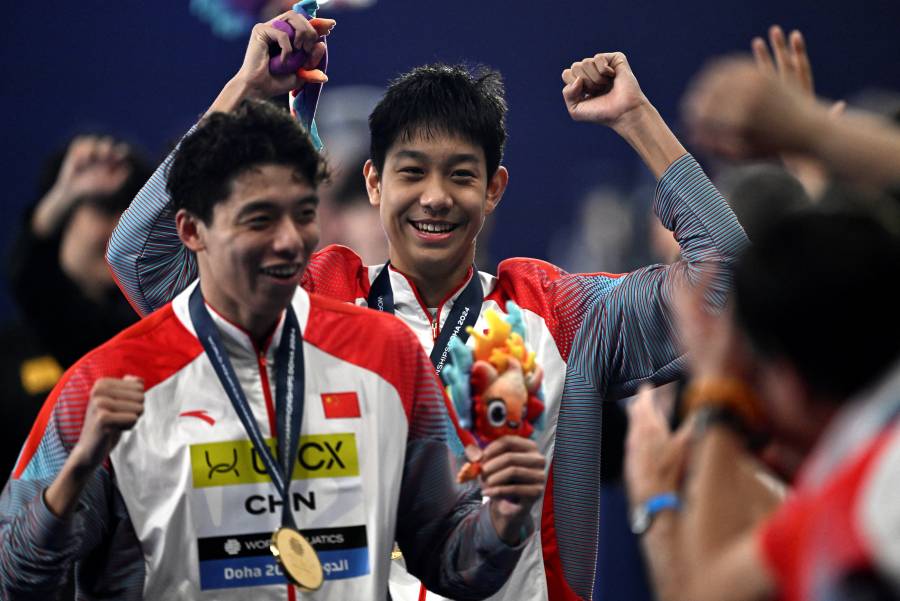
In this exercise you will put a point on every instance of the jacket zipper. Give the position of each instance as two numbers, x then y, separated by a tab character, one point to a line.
262	362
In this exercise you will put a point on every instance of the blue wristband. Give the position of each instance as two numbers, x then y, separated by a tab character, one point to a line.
643	514
666	500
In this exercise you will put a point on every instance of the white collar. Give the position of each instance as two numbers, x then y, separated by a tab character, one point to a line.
235	338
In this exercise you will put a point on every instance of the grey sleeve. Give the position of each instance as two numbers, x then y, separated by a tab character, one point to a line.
627	338
37	548
146	256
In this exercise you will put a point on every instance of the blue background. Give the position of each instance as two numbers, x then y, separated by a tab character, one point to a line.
146	70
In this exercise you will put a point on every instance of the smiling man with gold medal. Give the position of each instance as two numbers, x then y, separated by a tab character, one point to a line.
164	460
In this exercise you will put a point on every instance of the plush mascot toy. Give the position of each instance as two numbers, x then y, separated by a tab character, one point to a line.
495	387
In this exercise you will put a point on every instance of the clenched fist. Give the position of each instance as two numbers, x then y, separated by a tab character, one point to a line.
115	406
602	89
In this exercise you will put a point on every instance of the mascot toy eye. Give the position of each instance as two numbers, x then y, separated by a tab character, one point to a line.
496	386
496	412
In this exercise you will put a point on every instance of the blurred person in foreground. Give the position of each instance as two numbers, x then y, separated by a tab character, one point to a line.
785	57
761	192
67	300
807	356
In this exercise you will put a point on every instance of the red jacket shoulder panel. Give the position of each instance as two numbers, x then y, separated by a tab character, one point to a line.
559	297
152	349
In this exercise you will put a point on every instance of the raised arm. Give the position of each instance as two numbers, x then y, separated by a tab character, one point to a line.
147	259
145	254
625	336
789	61
707	550
604	90
736	111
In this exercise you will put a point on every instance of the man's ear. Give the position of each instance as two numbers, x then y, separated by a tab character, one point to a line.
495	189
190	230
373	183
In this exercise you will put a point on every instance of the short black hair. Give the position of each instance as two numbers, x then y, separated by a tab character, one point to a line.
225	145
442	99
816	288
761	194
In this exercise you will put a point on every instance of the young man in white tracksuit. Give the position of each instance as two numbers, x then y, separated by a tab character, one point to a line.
164	460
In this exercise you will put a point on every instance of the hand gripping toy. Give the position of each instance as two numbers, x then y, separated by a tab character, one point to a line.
294	61
303	100
495	387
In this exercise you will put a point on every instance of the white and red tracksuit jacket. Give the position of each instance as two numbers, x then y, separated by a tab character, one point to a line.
184	509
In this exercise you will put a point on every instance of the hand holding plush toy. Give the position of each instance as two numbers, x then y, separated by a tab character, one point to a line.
495	387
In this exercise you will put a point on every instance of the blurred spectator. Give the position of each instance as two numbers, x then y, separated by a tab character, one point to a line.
601	234
343	123
66	296
346	216
607	228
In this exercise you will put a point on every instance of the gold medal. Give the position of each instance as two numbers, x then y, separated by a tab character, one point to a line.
396	553
298	559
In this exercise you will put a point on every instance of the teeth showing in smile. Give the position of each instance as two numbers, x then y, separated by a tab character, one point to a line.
434	228
281	271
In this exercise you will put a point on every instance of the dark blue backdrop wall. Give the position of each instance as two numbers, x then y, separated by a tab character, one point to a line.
146	70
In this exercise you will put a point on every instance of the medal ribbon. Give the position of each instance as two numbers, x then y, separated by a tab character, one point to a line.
289	378
466	310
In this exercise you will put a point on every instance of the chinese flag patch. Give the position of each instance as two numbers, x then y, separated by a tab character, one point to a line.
340	404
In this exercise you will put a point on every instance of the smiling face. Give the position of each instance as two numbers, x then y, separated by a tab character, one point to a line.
433	195
253	252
